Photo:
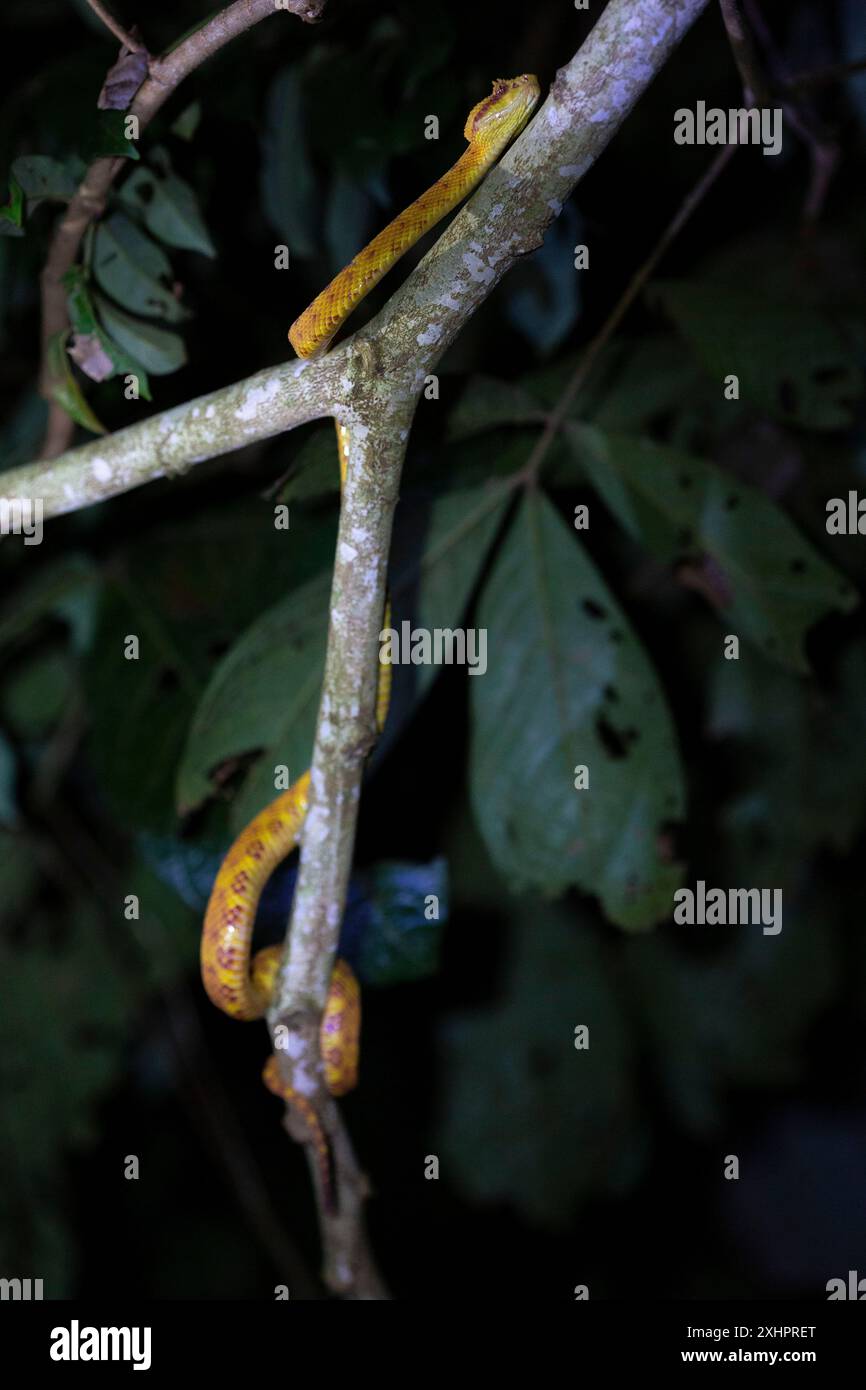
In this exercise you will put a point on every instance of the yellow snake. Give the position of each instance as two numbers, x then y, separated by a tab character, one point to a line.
237	986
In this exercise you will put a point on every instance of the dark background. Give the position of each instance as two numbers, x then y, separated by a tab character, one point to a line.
710	1041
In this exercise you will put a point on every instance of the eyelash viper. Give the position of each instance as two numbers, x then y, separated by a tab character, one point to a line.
236	985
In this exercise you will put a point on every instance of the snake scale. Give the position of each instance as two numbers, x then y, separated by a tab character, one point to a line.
240	987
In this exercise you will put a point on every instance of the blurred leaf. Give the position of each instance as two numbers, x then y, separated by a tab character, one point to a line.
486	403
528	1118
168	205
287	183
768	582
650	377
186	605
263	697
68	589
567	684
792	360
315	470
63	1037
798	788
187	122
82	316
106	138
400	942
35	692
439	553
736	1017
348	219
542	298
21	435
133	270
156	349
385	933
64	387
8	800
41	177
12	212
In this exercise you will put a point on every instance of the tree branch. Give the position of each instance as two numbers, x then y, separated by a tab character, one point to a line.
372	384
88	202
116	29
389	360
268	403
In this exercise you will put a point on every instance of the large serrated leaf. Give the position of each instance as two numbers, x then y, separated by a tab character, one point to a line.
567	684
744	553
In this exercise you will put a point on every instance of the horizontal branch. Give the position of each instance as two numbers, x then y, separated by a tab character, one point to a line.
260	406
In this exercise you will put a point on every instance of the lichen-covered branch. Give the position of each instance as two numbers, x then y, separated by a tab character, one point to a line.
268	403
388	362
372	383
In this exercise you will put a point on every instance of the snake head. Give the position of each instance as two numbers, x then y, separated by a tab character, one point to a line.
507	109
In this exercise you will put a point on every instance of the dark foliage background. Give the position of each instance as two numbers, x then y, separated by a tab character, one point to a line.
558	1167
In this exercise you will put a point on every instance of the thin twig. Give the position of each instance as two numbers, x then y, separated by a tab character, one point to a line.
823	149
134	45
823	77
637	282
755	86
88	202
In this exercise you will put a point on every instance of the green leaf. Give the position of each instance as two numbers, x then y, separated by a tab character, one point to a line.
82	316
107	138
794	786
67	589
64	387
187	122
133	270
315	469
186	605
529	1119
263	697
168	206
287	182
36	691
793	361
743	553
156	349
8	800
487	402
452	535
12	213
42	177
703	1041
568	684
399	941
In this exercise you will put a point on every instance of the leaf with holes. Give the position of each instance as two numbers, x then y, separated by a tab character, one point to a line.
568	684
793	361
736	548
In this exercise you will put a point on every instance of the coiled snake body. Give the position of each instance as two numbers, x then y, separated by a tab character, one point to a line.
237	986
